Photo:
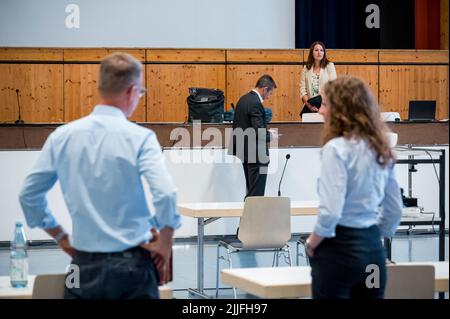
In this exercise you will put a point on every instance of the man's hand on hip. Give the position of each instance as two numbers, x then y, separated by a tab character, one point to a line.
65	245
161	250
62	238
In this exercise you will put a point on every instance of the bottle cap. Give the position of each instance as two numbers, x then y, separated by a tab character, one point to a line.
19	223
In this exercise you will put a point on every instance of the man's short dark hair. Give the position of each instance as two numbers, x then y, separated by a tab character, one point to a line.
266	81
117	72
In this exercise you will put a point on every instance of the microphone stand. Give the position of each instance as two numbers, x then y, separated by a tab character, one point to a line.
288	156
19	121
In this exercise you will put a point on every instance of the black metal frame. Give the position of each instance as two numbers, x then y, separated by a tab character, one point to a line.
441	221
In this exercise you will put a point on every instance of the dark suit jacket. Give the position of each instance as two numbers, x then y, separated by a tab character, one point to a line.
250	138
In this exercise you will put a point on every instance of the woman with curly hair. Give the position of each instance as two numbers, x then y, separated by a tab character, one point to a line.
359	197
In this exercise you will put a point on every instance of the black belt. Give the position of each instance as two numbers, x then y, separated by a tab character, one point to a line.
129	253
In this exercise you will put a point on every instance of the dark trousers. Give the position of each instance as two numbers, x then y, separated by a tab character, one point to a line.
130	274
340	265
255	179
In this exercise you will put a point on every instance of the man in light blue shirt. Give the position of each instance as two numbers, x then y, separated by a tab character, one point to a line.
99	161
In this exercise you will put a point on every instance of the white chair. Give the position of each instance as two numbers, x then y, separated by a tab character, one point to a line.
410	282
265	226
49	286
312	118
393	138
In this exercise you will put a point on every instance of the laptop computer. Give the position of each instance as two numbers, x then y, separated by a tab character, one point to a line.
422	111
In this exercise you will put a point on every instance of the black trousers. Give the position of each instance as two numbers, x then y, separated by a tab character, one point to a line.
255	179
130	274
342	267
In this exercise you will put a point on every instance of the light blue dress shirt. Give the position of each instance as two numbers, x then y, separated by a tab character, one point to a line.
99	161
355	191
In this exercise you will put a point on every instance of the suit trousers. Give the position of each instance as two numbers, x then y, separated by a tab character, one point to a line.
129	274
343	267
255	179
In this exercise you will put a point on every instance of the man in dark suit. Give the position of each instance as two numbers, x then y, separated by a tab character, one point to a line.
250	138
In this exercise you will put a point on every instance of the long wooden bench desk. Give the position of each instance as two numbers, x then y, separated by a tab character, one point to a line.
295	282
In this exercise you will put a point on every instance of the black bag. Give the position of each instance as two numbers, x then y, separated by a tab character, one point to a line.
205	105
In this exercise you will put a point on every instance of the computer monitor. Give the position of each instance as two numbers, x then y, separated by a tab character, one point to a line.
422	111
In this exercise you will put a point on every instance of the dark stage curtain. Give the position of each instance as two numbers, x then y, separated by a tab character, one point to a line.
341	24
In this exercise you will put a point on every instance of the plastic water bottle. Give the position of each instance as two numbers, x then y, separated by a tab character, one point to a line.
18	269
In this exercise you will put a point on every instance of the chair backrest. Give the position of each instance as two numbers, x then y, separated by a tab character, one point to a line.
410	282
312	118
49	286
393	139
265	222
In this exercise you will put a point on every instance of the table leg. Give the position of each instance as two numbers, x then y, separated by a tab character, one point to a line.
200	262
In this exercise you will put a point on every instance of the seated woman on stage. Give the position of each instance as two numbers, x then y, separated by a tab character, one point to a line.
317	71
359	197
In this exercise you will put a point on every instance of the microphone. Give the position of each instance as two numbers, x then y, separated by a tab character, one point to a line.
288	156
19	121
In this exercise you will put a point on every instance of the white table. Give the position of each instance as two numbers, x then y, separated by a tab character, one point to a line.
274	282
8	292
207	213
295	282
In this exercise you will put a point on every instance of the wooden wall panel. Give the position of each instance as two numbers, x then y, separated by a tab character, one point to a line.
95	54
413	56
369	73
81	94
353	56
32	137
30	54
285	101
64	86
81	81
184	55
168	87
349	56
80	90
265	56
40	92
400	84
